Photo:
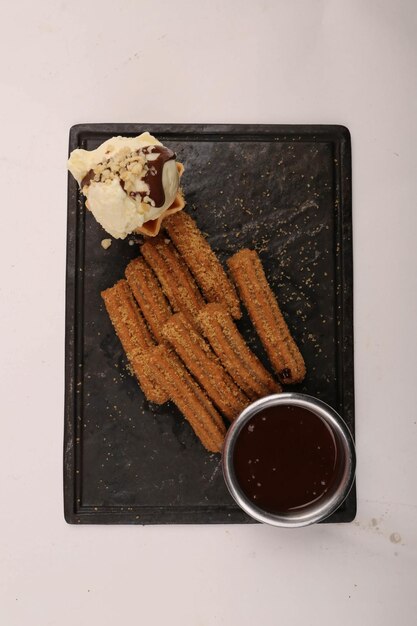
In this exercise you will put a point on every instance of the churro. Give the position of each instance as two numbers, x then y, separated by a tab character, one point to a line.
204	366
241	363
203	263
149	295
174	276
187	395
134	336
255	292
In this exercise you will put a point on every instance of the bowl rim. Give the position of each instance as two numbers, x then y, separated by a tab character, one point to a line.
340	430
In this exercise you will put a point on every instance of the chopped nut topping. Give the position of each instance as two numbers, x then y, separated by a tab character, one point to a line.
127	166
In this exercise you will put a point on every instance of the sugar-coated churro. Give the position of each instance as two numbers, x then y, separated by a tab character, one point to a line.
149	295
190	399
134	336
255	292
241	363
205	366
174	276
203	263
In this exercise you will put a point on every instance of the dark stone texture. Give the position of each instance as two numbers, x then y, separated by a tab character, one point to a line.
284	190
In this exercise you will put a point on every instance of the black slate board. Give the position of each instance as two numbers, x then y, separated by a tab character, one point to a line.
285	190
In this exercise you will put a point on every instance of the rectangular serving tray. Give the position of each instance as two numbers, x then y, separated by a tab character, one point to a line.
284	190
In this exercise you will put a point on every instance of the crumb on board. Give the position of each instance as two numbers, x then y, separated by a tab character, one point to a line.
106	243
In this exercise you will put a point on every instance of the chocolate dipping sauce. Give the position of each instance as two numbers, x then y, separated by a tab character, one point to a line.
286	458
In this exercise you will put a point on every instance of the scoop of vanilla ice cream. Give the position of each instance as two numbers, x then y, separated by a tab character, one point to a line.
123	182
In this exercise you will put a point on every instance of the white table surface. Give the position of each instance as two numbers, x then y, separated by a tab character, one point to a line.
323	61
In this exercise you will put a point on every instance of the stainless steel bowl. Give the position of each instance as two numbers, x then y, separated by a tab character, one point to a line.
344	440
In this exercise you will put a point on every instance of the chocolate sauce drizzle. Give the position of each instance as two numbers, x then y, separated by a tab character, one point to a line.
153	177
87	178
